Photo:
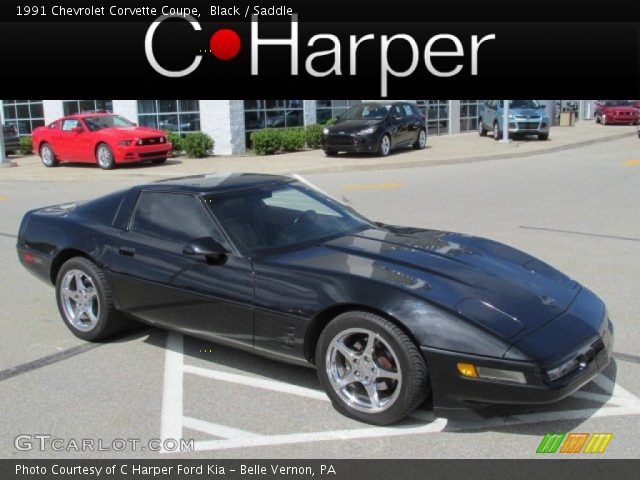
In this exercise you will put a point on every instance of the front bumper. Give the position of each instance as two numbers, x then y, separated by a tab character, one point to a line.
134	153
621	118
351	143
535	126
452	392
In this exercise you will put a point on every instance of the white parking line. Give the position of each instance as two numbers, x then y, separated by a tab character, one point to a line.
215	429
617	402
257	382
171	427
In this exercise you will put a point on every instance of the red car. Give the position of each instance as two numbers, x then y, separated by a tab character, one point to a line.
616	111
101	138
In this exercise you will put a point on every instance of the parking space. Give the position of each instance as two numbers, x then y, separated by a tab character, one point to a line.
576	210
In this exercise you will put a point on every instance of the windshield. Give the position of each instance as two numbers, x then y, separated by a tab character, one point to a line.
106	121
617	103
282	216
524	104
366	111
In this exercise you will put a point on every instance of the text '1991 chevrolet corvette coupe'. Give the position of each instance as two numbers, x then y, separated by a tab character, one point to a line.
387	315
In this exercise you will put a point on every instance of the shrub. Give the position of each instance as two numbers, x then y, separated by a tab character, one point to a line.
176	140
331	121
266	142
313	135
197	144
26	146
292	139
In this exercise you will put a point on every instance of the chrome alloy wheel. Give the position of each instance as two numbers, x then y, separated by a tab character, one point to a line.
105	158
422	139
363	370
47	155
80	301
386	145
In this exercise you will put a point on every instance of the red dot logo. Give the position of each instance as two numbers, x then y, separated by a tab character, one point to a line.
224	44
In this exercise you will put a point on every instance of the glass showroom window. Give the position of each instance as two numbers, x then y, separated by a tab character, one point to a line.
271	114
71	107
327	109
24	114
437	113
468	115
179	116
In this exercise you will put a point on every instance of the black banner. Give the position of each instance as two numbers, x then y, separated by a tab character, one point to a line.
585	469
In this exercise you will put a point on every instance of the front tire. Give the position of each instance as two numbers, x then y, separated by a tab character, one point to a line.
384	146
481	130
104	157
543	136
330	153
370	369
47	156
158	161
421	141
496	131
85	301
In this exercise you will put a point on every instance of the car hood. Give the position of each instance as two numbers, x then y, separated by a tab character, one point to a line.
352	126
132	132
498	287
527	112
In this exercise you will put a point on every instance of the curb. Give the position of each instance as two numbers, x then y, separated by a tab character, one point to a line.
450	161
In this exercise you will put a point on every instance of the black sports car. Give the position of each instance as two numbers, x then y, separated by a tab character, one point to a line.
376	127
387	315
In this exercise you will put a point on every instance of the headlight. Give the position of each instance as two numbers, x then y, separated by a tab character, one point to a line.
471	371
325	130
124	143
511	116
367	131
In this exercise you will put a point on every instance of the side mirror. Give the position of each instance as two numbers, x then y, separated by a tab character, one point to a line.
134	124
206	247
76	129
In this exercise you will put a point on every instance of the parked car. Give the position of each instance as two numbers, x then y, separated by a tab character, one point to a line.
11	139
612	112
387	315
526	117
376	127
101	138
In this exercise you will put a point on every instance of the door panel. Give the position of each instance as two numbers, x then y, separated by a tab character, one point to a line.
155	282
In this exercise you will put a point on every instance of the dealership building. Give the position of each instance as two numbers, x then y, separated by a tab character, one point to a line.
230	122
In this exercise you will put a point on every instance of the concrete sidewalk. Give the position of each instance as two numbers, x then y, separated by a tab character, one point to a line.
440	150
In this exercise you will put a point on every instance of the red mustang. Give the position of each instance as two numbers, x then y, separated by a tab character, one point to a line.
101	138
616	111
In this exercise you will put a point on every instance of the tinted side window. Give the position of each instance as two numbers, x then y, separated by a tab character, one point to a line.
172	216
408	110
396	111
415	109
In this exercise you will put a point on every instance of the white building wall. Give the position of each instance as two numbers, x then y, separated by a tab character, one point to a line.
216	120
52	110
127	108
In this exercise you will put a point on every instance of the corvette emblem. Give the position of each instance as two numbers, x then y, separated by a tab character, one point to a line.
547	300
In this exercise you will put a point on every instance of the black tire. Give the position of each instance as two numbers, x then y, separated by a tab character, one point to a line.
107	161
419	144
383	148
158	161
109	321
497	134
47	156
481	130
414	386
330	153
543	136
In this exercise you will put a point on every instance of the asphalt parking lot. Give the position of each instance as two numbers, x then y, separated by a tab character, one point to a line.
577	210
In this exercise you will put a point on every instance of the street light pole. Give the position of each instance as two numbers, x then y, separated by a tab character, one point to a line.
505	122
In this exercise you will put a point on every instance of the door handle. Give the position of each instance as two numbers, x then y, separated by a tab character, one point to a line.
128	251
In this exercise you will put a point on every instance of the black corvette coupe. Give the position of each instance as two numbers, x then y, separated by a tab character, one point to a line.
387	315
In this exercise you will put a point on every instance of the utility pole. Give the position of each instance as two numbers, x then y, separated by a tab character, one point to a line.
505	122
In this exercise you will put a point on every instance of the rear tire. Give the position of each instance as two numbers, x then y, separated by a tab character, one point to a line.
47	156
421	140
85	301
104	157
370	368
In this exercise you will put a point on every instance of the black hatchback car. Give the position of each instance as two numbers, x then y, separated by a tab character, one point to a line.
376	127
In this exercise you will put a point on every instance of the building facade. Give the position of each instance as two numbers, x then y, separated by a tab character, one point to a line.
230	122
